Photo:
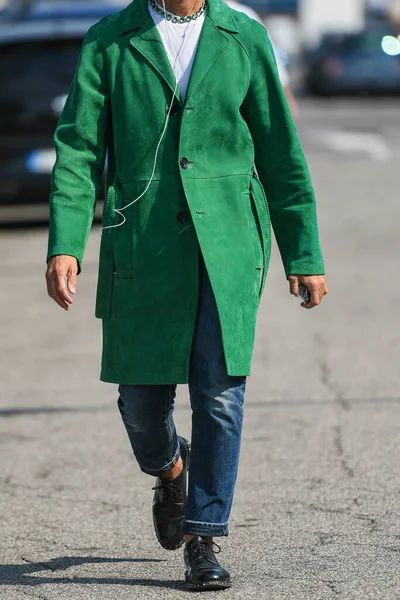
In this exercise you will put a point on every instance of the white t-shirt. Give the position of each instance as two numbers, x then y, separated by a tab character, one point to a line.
180	42
282	71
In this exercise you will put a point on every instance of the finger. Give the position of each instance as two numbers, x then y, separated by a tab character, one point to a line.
315	296
314	299
322	291
52	291
61	302
72	280
294	286
62	290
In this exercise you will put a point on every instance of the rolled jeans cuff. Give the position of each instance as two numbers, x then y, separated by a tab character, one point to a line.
205	529
168	467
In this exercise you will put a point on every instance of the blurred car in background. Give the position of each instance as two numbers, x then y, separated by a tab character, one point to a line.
39	49
367	62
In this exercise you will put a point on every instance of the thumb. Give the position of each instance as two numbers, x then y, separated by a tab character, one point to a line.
294	285
72	272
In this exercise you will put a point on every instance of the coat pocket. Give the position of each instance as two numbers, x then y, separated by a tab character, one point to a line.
262	217
123	246
254	231
106	262
116	251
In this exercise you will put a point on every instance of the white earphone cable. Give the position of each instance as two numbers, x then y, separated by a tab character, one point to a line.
183	45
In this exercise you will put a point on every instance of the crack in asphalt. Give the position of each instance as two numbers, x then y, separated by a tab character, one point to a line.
324	509
395	549
325	373
12	487
343	405
316	508
340	452
324	539
371	520
332	586
327	538
31	594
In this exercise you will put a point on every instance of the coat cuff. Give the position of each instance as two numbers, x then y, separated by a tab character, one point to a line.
301	268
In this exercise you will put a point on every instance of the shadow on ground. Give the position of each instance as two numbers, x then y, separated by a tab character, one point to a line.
23	574
45	410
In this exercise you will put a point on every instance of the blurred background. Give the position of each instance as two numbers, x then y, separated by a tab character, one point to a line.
331	49
317	507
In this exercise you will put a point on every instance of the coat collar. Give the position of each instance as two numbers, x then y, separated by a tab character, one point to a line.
136	16
137	21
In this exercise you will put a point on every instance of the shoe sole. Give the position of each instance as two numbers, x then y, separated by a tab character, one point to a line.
207	585
154	520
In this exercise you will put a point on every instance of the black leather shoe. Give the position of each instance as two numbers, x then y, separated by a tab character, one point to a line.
169	504
203	571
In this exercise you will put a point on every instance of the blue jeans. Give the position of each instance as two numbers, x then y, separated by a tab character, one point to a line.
217	413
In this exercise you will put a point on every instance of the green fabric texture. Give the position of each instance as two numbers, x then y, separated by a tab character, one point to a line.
235	116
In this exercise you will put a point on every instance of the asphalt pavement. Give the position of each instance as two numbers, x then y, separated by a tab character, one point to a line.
316	511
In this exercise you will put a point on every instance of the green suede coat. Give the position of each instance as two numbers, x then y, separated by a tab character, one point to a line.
235	116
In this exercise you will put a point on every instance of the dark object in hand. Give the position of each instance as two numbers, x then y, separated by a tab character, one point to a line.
304	293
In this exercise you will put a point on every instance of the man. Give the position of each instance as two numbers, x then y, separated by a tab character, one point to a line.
282	70
185	106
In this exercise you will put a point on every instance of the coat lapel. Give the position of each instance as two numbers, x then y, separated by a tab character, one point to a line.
213	42
136	20
145	39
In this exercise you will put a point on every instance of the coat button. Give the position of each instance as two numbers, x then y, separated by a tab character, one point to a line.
182	216
175	109
184	163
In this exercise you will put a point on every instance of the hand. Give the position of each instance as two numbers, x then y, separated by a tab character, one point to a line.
315	283
61	278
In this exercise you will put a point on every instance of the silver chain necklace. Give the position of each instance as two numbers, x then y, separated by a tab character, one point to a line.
174	18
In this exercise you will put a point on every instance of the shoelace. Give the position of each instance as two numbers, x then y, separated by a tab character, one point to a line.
202	549
169	491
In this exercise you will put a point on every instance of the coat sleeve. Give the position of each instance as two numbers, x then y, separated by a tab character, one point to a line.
81	146
281	164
